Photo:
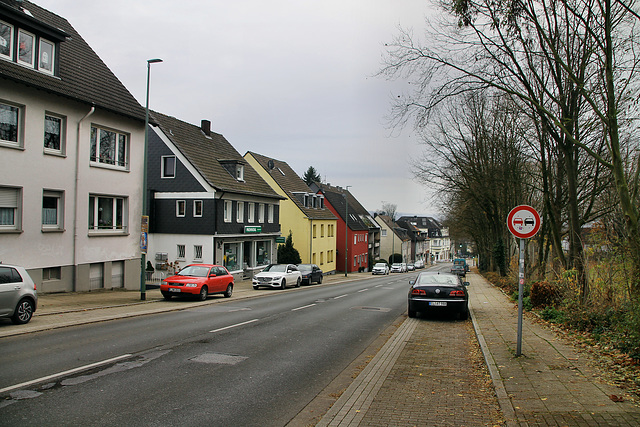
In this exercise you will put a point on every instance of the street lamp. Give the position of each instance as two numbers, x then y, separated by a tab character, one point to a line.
346	231
145	219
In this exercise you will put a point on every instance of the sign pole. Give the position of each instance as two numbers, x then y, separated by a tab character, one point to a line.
523	222
520	292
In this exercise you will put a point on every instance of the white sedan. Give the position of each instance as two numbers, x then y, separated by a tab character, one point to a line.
380	268
278	276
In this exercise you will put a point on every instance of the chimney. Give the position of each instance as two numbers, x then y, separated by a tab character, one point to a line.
205	125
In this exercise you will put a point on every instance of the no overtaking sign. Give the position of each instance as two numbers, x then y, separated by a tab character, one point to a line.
523	221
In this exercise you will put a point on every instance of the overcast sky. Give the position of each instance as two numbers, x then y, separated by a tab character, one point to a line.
289	79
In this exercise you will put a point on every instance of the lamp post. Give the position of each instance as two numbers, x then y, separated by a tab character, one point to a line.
346	231
144	220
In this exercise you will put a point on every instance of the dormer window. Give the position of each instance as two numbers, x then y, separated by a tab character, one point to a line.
235	168
35	47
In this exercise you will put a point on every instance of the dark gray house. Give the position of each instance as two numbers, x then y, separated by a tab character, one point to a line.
207	204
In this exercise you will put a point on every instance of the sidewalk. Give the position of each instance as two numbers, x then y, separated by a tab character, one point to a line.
550	384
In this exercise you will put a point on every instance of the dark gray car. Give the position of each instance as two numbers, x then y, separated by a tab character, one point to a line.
18	296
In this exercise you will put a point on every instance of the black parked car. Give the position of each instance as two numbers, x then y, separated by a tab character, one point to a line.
311	273
438	292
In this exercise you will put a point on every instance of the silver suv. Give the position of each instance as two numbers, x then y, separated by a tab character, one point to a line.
18	296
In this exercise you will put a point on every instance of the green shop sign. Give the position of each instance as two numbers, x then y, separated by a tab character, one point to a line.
281	239
253	229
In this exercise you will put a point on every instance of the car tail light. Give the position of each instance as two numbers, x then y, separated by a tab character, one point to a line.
456	293
418	292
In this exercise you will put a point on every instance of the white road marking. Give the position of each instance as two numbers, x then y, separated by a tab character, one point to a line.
341	296
363	290
233	326
303	307
62	374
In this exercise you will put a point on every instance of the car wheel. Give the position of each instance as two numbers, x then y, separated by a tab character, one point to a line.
166	295
412	313
204	293
23	313
283	285
229	291
320	280
300	281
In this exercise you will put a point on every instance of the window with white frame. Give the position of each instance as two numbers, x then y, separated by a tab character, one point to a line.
240	172
240	212
181	252
26	48
228	210
251	212
383	232
10	208
109	147
197	208
181	208
197	252
10	124
52	210
108	213
270	214
168	166
6	36
46	55
261	213
54	133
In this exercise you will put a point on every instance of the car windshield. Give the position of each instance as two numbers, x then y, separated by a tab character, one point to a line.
276	268
437	279
194	271
380	265
396	265
305	267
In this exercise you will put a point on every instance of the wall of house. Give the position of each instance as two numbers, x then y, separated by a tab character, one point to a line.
323	246
35	170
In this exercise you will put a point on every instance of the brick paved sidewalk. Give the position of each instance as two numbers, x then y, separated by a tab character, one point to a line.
551	383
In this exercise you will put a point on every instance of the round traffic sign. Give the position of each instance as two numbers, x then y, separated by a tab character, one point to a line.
523	221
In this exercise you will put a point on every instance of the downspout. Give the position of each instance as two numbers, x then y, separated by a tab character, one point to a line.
75	199
310	239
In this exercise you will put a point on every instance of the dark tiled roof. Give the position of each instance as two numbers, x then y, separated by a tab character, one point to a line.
290	183
205	154
335	196
82	77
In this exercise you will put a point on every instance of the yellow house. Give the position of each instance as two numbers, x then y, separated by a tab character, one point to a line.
312	225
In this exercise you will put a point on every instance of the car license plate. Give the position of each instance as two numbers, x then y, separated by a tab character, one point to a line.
438	303
174	290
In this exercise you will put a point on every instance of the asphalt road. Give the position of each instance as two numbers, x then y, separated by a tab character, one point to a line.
252	362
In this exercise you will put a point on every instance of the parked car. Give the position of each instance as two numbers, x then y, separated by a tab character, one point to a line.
419	264
461	261
459	270
380	268
396	267
411	267
199	280
438	292
311	273
18	296
277	276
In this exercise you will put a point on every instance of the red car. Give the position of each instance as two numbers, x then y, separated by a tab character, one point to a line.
200	280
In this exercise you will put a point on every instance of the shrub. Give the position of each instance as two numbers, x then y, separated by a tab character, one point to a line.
553	315
543	294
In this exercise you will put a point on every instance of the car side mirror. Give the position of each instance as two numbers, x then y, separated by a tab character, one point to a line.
465	283
412	282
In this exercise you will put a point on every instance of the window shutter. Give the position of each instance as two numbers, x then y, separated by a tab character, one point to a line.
8	198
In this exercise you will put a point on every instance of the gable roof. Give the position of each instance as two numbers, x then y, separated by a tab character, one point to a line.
336	196
82	75
207	153
290	183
